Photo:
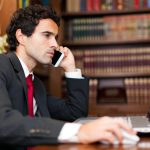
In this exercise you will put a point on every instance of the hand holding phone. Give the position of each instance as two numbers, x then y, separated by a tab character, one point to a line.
57	58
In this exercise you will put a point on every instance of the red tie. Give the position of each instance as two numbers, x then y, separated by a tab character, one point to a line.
30	94
30	97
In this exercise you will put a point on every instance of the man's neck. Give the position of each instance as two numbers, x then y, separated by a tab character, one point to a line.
29	62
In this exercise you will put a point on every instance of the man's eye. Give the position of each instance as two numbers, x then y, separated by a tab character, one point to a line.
47	35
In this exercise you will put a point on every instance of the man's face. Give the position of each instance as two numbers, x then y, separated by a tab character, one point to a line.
41	44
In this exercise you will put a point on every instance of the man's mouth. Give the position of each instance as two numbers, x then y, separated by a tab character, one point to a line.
50	53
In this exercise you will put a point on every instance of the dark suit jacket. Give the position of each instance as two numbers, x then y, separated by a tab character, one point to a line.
16	127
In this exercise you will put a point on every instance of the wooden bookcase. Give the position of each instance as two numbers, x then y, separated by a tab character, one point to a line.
103	83
112	47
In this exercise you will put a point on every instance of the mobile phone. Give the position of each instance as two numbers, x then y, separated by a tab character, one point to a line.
57	58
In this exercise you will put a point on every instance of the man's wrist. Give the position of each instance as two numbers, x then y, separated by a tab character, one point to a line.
75	74
69	132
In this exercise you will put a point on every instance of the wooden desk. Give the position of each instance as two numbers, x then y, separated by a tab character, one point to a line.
144	144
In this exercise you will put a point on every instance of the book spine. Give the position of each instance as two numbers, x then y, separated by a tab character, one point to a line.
136	4
89	5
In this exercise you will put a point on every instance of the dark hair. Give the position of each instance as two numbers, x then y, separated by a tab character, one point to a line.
27	19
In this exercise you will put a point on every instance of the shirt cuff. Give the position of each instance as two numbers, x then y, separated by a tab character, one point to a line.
76	74
68	133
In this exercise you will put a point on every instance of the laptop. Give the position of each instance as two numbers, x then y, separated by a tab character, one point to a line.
141	124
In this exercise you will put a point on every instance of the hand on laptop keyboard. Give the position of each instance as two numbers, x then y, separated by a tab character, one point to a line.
105	129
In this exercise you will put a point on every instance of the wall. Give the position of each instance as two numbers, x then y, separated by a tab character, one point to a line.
7	7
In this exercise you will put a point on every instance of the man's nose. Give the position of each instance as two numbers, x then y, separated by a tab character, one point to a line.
53	43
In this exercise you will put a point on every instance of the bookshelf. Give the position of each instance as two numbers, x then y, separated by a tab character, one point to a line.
123	47
110	40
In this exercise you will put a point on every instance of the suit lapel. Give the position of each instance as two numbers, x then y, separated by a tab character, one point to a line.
40	99
19	70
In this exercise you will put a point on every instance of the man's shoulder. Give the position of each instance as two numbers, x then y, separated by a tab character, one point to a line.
4	58
8	57
5	63
6	68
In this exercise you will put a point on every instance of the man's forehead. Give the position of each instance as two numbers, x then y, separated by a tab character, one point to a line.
46	25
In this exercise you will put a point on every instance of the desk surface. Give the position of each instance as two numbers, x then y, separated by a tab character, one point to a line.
144	144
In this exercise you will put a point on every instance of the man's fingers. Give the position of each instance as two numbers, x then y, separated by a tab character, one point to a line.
124	125
108	137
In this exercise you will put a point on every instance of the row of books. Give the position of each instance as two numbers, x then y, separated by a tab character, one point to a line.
116	61
137	90
104	5
109	28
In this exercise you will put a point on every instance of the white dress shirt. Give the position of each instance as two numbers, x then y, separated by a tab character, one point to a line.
70	128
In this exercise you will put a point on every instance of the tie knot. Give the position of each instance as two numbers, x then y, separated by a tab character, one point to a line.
29	80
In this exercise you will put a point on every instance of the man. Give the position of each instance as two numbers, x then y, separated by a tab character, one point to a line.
32	36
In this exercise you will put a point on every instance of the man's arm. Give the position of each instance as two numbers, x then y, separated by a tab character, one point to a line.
75	106
103	129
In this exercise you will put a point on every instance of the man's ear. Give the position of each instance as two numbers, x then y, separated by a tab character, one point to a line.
20	37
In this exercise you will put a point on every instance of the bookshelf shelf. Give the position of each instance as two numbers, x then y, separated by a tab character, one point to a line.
106	42
68	15
118	109
120	75
112	47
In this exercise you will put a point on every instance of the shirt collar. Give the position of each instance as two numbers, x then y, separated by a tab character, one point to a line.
25	68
